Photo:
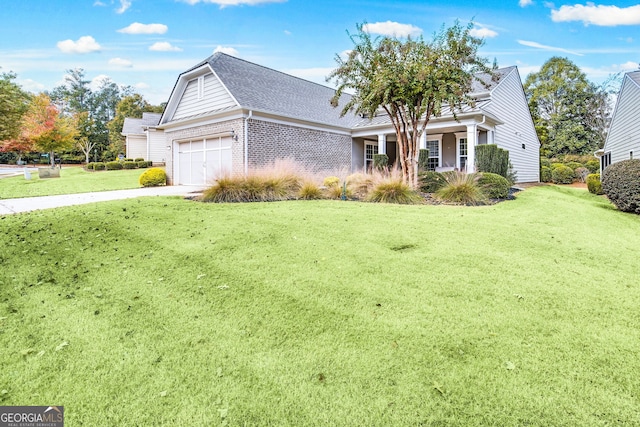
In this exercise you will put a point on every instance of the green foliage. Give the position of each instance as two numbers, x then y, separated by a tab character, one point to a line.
574	165
461	188
594	185
423	161
153	177
545	174
621	184
593	165
99	166
129	165
545	162
494	186
411	78
491	158
115	165
89	166
142	164
380	161
581	174
138	159
562	175
257	187
13	104
431	181
555	165
393	190
331	181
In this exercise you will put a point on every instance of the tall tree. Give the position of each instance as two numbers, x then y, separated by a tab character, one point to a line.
132	106
74	95
13	104
411	80
46	128
570	113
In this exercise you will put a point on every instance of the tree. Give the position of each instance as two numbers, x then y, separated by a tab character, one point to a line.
13	104
84	126
132	106
46	128
571	114
411	80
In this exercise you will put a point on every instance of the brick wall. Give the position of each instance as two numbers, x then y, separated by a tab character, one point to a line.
314	149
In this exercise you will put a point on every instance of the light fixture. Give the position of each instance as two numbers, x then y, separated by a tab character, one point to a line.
234	136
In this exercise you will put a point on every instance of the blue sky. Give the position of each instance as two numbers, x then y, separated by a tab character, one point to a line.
147	43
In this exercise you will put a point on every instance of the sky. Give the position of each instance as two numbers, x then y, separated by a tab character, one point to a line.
146	44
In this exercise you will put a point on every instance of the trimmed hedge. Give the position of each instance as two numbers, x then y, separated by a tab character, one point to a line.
89	166
621	184
142	164
594	185
129	165
153	177
494	186
562	175
545	174
491	158
423	160
113	166
380	161
593	165
99	166
138	159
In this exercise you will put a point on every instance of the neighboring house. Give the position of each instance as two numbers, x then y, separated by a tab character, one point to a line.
227	115
623	139
143	139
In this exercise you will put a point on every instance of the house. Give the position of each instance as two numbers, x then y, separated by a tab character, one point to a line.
143	139
623	139
227	115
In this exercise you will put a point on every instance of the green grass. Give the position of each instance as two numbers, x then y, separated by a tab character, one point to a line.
72	180
161	311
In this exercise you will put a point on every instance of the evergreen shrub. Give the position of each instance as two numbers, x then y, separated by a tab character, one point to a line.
153	177
594	185
494	186
112	166
621	184
545	174
562	175
491	158
129	165
99	166
423	160
380	161
430	181
593	165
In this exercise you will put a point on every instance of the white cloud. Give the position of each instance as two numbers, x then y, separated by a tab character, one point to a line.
124	5
287	32
483	32
225	3
31	85
525	3
605	16
138	28
549	48
228	50
85	44
99	3
393	29
142	86
164	47
606	71
96	82
120	62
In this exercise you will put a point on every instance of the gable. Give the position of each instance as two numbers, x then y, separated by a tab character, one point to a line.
203	94
624	133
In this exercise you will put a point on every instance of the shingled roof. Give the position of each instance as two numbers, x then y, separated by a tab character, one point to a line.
137	126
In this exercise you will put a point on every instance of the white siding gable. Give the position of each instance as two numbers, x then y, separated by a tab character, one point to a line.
509	104
203	94
624	134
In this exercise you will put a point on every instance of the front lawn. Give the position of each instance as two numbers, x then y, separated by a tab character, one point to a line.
72	180
161	311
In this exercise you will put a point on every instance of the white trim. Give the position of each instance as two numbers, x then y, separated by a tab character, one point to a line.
435	137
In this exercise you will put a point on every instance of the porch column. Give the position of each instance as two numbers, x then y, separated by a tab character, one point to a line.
472	138
423	140
382	144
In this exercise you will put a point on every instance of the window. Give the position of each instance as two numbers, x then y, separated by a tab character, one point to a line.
434	154
462	153
605	160
369	151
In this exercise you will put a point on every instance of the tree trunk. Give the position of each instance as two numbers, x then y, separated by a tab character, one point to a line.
52	158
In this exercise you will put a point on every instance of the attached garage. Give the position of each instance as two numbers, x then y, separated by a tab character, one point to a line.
202	161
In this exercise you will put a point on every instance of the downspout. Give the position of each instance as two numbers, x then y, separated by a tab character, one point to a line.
475	139
246	142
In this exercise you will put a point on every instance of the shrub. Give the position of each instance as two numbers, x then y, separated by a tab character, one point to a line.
226	189
574	165
359	184
593	165
491	158
494	186
545	174
380	161
310	191
461	188
126	159
621	184
335	192
142	164
545	162
331	181
562	175
581	174
112	166
593	184
556	165
423	160
393	190
89	166
129	165
430	181
99	166
138	159
153	177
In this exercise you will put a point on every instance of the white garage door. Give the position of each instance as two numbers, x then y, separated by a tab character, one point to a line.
201	161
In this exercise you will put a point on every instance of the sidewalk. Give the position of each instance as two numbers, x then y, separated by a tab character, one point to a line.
28	204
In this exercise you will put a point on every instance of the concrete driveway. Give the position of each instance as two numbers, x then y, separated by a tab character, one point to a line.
28	204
